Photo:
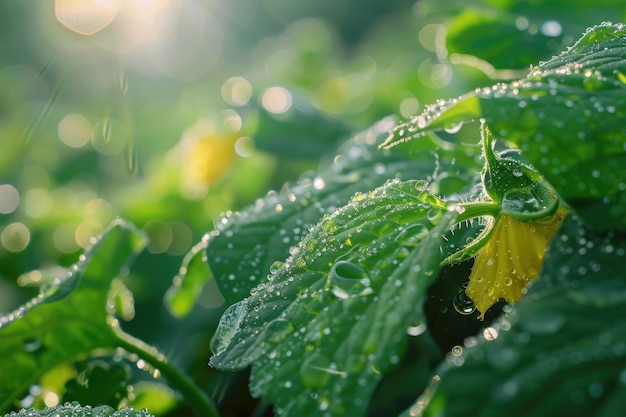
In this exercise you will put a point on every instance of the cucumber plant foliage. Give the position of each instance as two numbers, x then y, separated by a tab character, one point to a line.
321	326
326	280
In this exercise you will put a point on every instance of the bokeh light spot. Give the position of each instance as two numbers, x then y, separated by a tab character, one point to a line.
551	28
51	399
160	235
182	238
86	17
230	120
38	202
276	100
98	210
15	237
74	130
85	231
9	198
237	91
333	94
244	146
434	75
63	238
409	107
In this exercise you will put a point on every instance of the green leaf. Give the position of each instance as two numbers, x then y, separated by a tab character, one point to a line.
567	116
187	286
492	36
100	382
249	242
560	351
69	316
303	123
157	397
75	410
341	303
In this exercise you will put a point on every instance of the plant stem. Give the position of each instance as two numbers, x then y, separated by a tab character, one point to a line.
202	404
478	209
488	142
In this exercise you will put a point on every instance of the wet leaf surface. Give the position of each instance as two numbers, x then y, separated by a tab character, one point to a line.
75	410
560	350
567	116
68	318
249	242
341	303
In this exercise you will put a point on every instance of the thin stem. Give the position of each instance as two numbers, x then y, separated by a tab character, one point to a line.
471	210
201	403
487	139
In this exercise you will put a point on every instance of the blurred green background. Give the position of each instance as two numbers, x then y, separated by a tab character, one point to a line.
170	112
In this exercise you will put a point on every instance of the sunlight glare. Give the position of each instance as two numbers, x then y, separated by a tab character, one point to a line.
276	100
86	17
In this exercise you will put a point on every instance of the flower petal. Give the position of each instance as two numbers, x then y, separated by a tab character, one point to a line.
510	259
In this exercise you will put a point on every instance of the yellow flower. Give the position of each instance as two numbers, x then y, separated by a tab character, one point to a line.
209	158
510	259
204	153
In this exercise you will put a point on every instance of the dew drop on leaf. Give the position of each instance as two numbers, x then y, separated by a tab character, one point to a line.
433	215
32	345
228	327
274	267
421	185
412	235
462	303
453	128
348	279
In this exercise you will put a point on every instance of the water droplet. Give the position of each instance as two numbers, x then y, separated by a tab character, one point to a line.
462	303
228	327
348	279
32	345
489	333
412	235
521	201
421	185
416	330
319	183
433	215
274	267
453	128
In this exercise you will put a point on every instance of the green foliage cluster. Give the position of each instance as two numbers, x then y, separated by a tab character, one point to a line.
344	292
75	410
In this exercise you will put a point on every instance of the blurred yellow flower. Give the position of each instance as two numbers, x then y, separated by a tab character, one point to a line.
510	259
209	157
204	155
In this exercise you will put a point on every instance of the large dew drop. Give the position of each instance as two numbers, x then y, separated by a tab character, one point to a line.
412	235
347	279
228	327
